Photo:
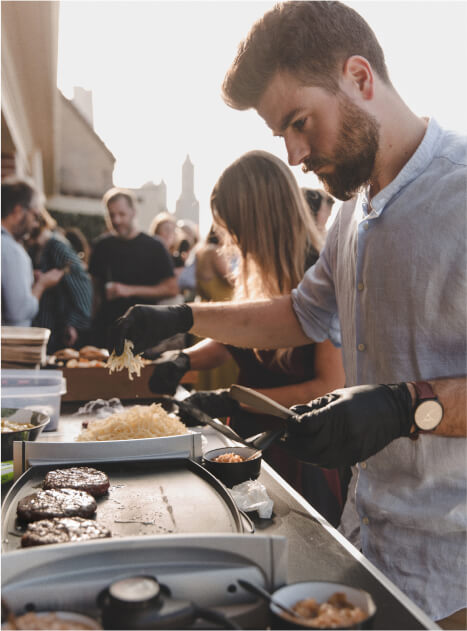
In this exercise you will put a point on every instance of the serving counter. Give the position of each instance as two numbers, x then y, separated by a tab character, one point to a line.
316	550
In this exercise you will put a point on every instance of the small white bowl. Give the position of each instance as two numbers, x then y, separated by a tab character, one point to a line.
289	595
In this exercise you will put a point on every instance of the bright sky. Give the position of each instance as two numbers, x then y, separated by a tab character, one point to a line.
155	70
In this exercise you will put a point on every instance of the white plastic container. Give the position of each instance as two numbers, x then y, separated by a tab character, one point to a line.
39	390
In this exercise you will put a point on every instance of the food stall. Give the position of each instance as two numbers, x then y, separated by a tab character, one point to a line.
172	519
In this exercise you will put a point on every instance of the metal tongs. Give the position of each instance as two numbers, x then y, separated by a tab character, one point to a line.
259	401
259	441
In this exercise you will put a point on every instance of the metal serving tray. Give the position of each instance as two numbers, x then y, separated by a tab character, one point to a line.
29	453
145	498
201	568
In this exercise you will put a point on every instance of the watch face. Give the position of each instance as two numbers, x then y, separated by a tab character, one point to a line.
428	415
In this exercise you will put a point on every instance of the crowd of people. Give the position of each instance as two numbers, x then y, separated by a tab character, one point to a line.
359	329
53	277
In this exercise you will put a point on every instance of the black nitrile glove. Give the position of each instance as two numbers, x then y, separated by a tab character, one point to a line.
215	403
349	425
168	370
147	325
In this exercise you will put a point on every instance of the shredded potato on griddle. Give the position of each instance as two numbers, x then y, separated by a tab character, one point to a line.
134	363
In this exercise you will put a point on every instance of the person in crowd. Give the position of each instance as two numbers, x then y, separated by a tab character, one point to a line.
214	283
258	190
164	226
393	271
79	243
66	308
187	275
21	208
190	231
213	269
320	204
127	266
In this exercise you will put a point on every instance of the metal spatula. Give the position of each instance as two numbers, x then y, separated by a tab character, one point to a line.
258	401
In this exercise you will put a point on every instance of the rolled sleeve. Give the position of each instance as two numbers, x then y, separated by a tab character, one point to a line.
314	300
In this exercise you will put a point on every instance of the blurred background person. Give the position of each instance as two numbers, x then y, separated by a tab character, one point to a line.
66	308
187	274
79	243
164	226
260	208
214	283
127	266
21	292
320	204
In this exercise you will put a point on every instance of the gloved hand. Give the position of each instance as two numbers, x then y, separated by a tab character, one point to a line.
349	425
215	403
168	370
147	325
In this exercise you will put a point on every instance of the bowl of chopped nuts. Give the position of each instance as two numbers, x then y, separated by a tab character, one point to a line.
233	465
322	605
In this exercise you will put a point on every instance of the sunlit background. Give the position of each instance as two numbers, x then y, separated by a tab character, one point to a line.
155	71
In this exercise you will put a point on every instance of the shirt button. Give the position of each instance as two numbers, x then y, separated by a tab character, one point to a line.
360	286
363	465
365	521
366	225
361	347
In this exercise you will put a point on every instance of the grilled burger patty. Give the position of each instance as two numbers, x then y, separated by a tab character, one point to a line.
62	530
56	503
80	478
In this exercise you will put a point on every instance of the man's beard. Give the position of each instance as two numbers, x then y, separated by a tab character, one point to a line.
355	153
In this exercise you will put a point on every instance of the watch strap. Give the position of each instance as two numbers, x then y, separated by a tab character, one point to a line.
423	390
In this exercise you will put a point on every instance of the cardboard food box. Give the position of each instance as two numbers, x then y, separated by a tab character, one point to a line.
94	382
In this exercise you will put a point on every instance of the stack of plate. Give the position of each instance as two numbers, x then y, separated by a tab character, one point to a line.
24	347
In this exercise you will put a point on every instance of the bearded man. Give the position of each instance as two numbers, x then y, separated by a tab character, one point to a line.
392	271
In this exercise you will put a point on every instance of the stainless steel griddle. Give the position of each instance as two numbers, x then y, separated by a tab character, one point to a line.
158	497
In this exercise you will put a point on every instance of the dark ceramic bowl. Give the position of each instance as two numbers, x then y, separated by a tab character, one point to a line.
232	473
289	595
21	416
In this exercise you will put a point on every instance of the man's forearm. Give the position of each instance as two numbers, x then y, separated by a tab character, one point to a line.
165	289
263	324
452	394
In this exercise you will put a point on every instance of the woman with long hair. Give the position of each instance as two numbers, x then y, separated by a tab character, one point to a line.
266	224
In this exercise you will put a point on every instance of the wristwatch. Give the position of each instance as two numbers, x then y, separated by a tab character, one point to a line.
428	411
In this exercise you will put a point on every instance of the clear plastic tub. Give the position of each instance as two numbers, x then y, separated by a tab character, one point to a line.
39	390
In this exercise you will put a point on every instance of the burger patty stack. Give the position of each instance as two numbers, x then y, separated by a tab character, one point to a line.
62	512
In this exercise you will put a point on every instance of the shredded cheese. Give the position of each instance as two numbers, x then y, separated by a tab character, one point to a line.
134	363
139	421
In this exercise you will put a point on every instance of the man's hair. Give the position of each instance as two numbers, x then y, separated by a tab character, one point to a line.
113	194
309	39
16	192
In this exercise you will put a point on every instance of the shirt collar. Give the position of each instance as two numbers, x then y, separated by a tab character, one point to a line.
409	172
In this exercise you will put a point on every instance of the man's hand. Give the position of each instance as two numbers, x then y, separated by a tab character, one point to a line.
46	280
146	326
70	335
168	370
349	425
117	290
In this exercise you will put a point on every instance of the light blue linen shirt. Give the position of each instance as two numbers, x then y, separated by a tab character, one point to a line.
394	270
19	305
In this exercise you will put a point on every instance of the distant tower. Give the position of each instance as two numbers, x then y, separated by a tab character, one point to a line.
82	100
187	206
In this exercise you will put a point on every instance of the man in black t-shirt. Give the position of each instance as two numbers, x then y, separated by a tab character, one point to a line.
127	266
